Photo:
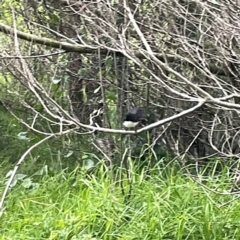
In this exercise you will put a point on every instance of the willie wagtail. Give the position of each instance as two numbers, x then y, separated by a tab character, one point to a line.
133	117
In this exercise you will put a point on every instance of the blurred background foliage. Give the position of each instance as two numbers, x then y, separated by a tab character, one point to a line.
175	181
101	85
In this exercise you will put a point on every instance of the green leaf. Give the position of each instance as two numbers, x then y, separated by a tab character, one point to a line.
23	136
27	183
68	154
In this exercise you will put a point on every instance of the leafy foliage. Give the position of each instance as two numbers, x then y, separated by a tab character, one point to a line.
72	73
163	205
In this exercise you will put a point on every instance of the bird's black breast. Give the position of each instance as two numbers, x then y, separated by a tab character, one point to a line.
134	115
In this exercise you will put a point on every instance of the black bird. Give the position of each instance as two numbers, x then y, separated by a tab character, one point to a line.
133	117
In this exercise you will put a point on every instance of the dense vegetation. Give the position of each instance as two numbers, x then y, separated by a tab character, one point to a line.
69	72
163	205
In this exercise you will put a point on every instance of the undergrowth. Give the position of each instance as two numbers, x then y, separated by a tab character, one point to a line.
164	204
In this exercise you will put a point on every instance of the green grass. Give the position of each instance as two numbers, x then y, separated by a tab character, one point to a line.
163	205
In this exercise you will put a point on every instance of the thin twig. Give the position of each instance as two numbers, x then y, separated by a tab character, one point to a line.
17	166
